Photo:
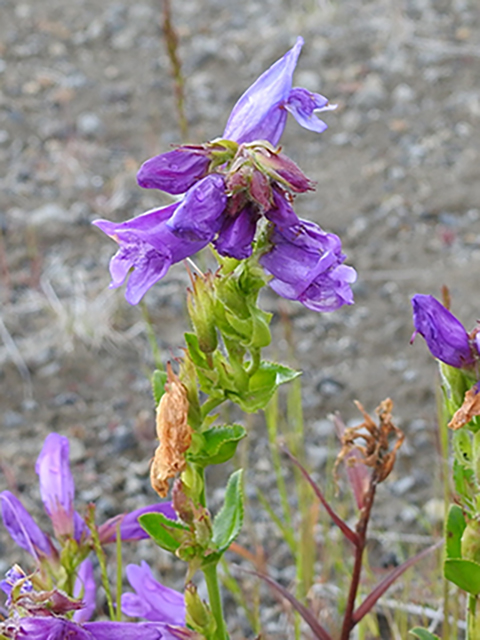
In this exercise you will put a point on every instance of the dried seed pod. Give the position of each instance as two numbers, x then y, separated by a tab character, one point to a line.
173	432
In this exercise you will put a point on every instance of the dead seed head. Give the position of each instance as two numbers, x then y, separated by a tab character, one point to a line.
173	432
376	450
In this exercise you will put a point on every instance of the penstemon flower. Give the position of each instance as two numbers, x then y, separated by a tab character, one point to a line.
229	185
445	336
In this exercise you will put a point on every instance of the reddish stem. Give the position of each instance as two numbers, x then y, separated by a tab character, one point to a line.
361	530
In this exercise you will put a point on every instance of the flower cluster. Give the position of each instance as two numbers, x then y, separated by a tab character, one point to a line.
229	185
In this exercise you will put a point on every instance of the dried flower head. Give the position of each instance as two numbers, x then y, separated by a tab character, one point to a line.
173	432
376	452
469	409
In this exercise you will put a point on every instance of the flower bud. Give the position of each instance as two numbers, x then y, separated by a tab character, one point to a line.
199	616
201	304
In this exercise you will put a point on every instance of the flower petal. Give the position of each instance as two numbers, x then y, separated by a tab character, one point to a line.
174	172
56	483
22	528
152	600
86	589
236	236
303	104
199	215
130	528
259	113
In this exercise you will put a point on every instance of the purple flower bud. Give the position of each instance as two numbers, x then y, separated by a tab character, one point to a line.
236	235
147	245
306	265
23	529
198	217
152	600
130	528
175	171
85	589
56	483
261	112
282	214
445	336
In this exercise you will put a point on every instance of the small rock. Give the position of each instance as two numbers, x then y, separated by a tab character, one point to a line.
89	125
77	450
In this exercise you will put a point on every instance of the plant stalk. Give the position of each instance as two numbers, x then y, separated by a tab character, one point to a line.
215	601
361	530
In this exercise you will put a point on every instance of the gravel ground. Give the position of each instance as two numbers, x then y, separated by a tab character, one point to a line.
86	96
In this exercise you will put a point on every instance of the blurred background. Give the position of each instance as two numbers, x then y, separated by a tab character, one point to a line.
87	94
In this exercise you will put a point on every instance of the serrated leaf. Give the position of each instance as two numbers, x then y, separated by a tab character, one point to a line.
219	444
165	532
454	528
159	379
228	521
464	573
263	384
423	634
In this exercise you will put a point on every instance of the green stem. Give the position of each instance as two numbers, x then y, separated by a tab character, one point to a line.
473	618
211	404
215	600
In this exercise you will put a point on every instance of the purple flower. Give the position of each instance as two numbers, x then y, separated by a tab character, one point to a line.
306	265
85	589
130	528
23	529
261	112
198	217
445	336
152	600
237	233
147	245
12	578
56	483
55	628
175	171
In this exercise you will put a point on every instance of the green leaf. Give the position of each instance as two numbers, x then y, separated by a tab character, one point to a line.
454	528
219	445
229	519
423	634
166	533
464	573
159	379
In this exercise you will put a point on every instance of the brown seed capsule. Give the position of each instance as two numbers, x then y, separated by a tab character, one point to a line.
173	432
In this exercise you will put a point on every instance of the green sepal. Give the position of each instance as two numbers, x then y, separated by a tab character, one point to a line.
464	573
261	336
159	380
263	384
228	521
462	447
196	354
218	445
423	634
168	534
454	528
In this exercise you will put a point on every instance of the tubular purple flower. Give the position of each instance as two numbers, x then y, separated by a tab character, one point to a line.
445	336
306	265
198	216
13	577
175	171
52	628
152	600
85	589
147	245
23	529
236	235
261	112
56	483
130	528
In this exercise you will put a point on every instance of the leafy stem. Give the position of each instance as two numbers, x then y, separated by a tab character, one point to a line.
215	599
